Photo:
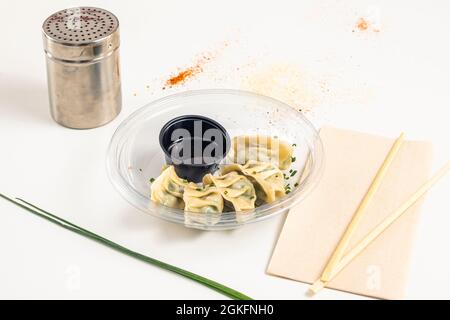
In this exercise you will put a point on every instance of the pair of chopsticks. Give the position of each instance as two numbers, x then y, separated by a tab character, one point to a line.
339	260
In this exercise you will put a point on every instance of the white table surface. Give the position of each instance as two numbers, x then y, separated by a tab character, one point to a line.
308	53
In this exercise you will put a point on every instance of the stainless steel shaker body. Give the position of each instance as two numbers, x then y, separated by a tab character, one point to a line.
83	71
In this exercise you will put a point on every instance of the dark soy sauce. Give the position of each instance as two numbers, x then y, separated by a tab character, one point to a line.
195	151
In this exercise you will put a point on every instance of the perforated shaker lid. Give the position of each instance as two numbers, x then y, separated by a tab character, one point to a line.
81	34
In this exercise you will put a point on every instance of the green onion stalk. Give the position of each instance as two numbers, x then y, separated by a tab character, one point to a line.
231	293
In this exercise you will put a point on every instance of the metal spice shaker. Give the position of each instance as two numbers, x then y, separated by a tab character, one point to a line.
83	72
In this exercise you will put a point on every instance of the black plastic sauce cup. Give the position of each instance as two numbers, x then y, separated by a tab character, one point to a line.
194	145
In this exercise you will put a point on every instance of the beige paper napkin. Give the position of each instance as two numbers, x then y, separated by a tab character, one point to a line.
314	227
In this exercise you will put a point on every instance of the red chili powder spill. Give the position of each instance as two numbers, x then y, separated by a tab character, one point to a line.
362	24
183	75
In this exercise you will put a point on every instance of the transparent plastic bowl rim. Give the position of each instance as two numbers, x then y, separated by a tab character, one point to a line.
228	221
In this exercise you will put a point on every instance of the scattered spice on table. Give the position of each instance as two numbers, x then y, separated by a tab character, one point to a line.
362	24
196	68
183	75
287	83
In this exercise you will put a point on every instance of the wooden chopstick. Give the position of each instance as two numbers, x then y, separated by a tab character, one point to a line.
379	229
343	243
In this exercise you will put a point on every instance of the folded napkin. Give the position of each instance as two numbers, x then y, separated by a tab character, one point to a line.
314	227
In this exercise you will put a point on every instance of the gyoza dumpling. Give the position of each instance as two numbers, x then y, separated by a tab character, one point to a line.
202	199
235	188
262	149
203	205
268	178
168	189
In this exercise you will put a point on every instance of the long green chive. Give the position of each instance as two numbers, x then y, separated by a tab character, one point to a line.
88	234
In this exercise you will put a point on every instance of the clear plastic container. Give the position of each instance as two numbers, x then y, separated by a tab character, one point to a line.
135	156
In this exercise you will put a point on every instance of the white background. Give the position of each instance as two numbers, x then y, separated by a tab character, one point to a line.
307	53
